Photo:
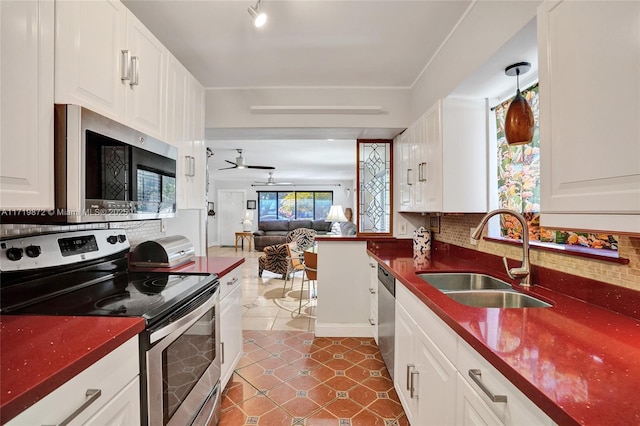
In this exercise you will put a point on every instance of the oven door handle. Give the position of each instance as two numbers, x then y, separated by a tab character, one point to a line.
186	320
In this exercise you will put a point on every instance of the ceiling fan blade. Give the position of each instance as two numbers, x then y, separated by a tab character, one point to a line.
231	162
261	167
228	168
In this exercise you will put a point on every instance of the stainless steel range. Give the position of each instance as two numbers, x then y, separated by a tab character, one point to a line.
85	273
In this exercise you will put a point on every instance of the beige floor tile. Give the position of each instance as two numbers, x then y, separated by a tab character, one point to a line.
264	308
257	323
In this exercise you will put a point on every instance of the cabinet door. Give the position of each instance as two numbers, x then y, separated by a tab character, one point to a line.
433	158
26	108
589	108
373	298
122	410
89	63
436	384
230	332
405	363
145	97
471	409
404	172
197	194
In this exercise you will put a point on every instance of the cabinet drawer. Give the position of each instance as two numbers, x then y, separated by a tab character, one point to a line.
109	375
229	282
517	410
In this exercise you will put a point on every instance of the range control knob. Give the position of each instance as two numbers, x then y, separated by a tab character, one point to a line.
112	239
122	238
14	254
33	251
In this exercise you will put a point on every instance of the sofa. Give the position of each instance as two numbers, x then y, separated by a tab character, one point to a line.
272	232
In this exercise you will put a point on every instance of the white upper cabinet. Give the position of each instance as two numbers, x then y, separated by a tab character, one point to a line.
26	104
107	61
589	58
443	161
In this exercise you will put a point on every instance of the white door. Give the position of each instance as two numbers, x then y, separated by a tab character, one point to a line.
230	211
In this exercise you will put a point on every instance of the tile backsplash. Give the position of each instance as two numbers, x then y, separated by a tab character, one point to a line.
137	231
454	229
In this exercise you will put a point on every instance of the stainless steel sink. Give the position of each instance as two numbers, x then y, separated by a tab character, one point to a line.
496	299
456	281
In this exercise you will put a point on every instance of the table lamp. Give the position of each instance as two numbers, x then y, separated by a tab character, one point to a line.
336	215
247	221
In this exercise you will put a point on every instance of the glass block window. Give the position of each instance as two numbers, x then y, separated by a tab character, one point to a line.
374	186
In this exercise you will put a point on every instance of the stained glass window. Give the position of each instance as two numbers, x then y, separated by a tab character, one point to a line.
374	187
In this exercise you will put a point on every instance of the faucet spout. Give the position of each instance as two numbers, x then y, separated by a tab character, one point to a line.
523	273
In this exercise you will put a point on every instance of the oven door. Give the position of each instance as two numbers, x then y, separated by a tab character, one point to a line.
183	369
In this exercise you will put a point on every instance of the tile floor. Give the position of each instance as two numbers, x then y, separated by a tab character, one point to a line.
287	376
264	308
294	378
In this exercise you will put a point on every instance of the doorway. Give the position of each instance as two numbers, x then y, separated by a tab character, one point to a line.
231	207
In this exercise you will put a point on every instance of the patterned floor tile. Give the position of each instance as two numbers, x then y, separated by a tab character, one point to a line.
291	378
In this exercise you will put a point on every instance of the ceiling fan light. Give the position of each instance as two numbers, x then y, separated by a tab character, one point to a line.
259	18
519	124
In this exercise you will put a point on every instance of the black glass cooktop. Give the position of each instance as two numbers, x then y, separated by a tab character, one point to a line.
106	293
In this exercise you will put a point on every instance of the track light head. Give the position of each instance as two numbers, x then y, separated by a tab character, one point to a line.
259	18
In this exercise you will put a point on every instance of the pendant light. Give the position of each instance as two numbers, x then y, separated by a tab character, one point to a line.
518	124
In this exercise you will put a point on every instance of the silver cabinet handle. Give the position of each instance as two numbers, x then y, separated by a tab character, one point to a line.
412	393
371	321
476	375
193	166
233	281
92	396
422	173
408	177
187	165
222	352
409	368
135	69
124	65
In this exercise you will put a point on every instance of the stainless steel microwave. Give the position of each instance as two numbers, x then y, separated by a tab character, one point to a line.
108	172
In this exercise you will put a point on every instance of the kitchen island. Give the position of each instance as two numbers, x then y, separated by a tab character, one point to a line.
577	361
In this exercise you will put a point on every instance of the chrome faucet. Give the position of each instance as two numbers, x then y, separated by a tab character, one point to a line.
523	273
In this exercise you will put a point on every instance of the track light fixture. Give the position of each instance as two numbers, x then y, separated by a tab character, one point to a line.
259	18
519	124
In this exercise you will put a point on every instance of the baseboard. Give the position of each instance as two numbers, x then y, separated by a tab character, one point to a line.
342	330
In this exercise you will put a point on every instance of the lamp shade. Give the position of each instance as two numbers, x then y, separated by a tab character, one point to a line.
336	214
519	124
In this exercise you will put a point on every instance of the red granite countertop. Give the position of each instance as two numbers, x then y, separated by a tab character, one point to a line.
40	353
579	362
213	265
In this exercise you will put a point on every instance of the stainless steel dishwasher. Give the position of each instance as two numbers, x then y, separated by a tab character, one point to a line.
386	316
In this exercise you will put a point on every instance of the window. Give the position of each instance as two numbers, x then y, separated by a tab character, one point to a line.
519	189
374	187
288	205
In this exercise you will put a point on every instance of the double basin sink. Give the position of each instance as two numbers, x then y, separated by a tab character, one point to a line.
481	291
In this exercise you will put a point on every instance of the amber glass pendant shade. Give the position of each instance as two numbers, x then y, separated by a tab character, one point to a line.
518	124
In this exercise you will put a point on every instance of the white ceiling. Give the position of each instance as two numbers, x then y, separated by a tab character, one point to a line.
314	43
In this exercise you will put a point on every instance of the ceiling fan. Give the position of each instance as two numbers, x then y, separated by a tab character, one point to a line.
240	164
271	182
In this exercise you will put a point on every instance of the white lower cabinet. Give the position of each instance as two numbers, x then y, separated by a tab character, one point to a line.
230	323
433	380
425	379
106	393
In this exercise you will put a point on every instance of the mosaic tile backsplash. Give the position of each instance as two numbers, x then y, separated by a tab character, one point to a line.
454	229
137	231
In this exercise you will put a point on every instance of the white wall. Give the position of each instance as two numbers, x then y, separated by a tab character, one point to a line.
230	108
486	27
